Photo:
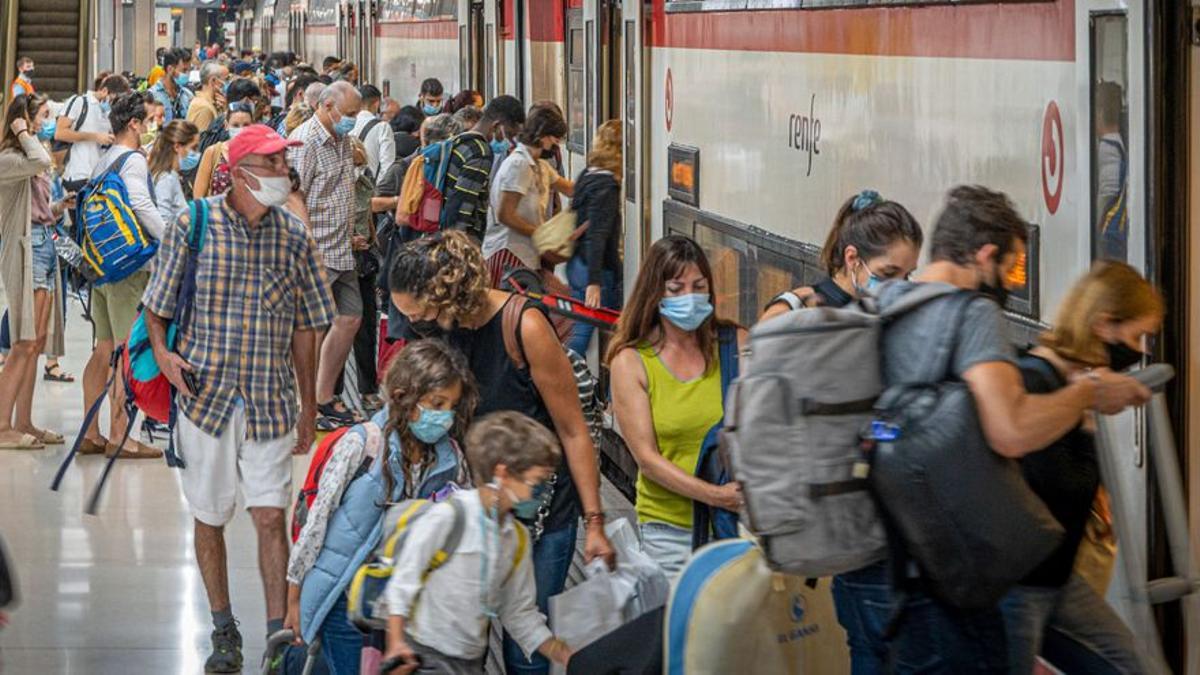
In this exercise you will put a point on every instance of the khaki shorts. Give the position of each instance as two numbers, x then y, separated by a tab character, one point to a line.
115	306
347	295
217	468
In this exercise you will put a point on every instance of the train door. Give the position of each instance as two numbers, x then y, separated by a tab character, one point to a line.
366	41
471	68
635	134
578	80
602	32
493	51
343	29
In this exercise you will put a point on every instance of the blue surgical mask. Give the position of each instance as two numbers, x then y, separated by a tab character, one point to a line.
46	133
344	126
873	282
181	80
432	425
431	110
686	311
234	132
500	147
189	161
106	108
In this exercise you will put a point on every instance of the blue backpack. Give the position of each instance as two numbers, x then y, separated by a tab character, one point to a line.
146	388
113	241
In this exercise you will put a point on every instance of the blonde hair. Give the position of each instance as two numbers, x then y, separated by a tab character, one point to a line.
606	148
1109	288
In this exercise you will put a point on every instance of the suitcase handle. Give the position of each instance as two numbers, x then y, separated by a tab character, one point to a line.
1154	376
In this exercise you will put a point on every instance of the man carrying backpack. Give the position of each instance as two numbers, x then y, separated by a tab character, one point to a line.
469	172
260	298
115	305
172	90
977	241
374	132
84	127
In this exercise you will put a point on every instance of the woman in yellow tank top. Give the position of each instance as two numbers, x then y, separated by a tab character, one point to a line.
666	392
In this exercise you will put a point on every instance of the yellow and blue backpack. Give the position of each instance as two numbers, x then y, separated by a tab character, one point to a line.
114	243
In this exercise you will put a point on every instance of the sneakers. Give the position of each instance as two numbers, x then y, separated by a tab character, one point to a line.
226	655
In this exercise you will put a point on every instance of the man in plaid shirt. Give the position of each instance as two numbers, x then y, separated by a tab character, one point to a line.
260	300
325	163
469	172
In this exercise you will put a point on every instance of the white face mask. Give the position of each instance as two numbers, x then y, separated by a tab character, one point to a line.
272	191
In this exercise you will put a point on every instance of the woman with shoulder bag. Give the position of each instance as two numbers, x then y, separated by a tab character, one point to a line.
1102	323
594	270
440	283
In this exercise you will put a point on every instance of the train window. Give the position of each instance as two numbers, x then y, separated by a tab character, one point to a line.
576	118
396	10
749	267
448	9
1110	135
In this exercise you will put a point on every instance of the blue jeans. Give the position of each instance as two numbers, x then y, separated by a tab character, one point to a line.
1071	627
931	637
45	257
341	642
611	297
552	555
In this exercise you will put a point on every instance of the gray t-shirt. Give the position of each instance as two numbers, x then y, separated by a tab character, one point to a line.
910	342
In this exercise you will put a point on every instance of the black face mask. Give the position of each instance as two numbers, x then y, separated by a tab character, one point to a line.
996	292
1121	356
426	328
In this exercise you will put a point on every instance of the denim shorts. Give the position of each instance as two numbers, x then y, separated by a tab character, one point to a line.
45	258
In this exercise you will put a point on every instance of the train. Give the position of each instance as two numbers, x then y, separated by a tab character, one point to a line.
747	123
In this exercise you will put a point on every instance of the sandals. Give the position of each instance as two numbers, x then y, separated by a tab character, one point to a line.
50	437
139	451
336	413
25	442
89	447
55	373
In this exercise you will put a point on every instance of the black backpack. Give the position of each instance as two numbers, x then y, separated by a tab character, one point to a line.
215	133
58	146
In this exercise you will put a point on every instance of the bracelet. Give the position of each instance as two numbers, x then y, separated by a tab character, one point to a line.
593	516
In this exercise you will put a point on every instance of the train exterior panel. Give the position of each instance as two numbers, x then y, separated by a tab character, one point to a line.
410	51
794	111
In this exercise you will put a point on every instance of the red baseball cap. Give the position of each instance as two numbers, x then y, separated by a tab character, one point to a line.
257	139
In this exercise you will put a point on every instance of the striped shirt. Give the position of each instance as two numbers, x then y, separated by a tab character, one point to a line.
468	176
255	286
326	168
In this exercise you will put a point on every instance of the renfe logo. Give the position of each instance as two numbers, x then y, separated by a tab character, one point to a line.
670	99
1053	157
804	133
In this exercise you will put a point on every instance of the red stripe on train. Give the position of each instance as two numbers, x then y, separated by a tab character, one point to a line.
1042	31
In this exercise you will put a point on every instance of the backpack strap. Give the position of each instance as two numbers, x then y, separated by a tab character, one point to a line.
120	164
788	298
510	326
727	353
519	553
197	232
362	135
452	540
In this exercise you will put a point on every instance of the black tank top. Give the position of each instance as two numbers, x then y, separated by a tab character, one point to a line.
504	386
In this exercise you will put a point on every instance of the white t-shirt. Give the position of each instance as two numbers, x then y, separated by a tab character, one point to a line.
85	154
380	144
522	174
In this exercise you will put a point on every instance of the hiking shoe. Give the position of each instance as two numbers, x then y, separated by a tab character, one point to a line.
226	655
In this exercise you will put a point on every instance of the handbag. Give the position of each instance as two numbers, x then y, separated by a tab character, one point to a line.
555	239
963	512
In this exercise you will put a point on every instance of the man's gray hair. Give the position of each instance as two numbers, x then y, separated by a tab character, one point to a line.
339	92
313	94
468	117
211	69
439	128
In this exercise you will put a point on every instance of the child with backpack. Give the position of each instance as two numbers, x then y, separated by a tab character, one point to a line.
439	617
431	395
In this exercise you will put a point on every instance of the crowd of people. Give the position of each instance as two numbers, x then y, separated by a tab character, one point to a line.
329	205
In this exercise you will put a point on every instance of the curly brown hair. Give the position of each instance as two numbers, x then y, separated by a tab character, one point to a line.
444	272
420	368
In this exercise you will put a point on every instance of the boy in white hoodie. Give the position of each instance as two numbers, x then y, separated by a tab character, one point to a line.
440	624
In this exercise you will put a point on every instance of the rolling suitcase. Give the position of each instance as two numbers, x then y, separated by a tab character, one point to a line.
1139	592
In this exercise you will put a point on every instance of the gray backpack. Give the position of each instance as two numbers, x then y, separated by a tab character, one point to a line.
794	430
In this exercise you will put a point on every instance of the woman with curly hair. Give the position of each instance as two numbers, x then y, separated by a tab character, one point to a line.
441	284
431	397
